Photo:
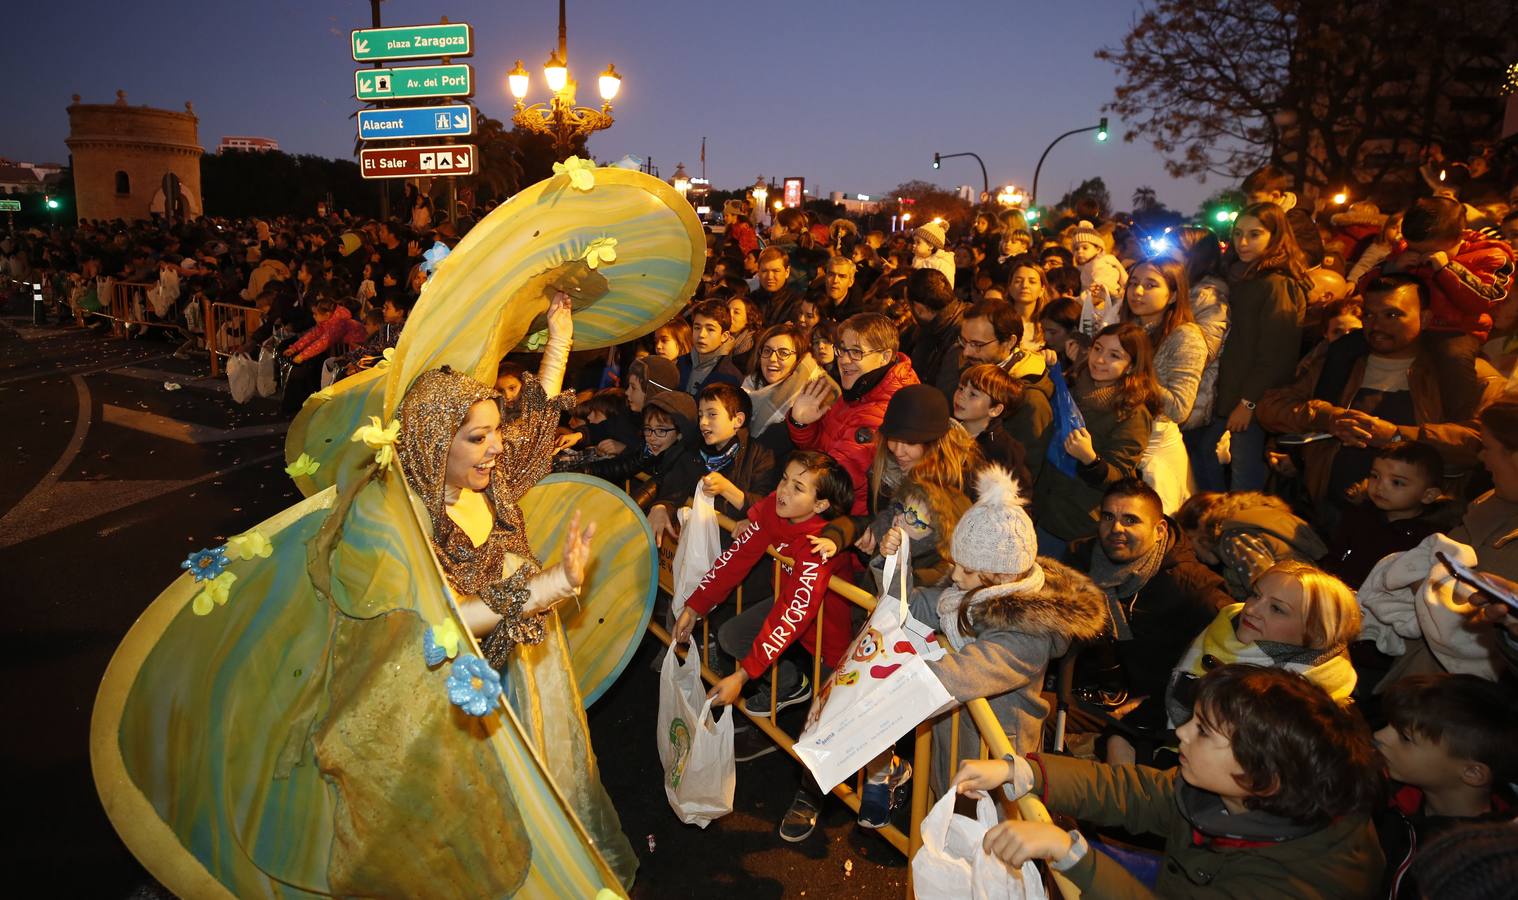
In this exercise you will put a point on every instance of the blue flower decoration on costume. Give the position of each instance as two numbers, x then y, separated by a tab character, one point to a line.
474	686
206	564
431	258
432	652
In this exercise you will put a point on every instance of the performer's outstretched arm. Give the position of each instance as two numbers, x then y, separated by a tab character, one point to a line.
561	331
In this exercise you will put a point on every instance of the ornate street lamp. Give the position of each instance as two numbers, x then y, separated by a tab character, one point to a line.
560	118
760	192
681	181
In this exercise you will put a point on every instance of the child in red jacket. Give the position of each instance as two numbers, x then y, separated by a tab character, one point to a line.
335	326
1466	276
813	484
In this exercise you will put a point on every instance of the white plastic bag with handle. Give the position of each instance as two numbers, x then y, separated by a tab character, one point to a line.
700	545
880	691
332	371
695	749
242	377
951	863
268	379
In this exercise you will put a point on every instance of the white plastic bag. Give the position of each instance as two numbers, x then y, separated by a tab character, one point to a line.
332	371
700	545
695	749
242	377
951	865
880	691
268	357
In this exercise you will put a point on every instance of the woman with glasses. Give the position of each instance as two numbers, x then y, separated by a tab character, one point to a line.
845	425
782	367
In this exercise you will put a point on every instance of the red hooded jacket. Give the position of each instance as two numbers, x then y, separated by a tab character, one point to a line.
850	430
1462	293
802	590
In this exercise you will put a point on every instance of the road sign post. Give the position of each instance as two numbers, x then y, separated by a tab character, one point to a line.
397	123
413	82
417	162
412	42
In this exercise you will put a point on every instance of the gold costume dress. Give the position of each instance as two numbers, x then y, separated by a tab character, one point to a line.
282	721
529	649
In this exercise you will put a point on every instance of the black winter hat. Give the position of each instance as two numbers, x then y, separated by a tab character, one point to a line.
679	406
657	374
917	414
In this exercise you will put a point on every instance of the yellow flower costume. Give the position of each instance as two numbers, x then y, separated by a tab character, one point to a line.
294	741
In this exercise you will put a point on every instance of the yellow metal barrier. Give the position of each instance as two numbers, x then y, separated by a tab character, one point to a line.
994	740
252	318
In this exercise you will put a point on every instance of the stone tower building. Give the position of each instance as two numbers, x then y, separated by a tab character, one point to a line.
122	153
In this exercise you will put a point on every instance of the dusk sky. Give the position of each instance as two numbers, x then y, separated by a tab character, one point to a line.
854	96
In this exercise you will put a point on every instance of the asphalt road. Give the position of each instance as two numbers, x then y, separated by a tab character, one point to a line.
112	478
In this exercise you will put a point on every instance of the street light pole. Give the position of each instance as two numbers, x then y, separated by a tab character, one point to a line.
985	183
1100	128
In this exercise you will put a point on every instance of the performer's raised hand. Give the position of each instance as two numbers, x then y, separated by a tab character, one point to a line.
560	323
577	551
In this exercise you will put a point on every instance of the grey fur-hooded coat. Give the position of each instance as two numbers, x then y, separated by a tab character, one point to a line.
1016	637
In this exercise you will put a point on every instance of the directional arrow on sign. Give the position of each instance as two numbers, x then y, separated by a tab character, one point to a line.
360	45
366	84
460	121
462	160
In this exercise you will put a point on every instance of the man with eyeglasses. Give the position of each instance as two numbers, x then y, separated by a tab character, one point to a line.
991	332
846	427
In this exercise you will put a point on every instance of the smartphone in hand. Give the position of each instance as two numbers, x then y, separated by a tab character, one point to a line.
1466	575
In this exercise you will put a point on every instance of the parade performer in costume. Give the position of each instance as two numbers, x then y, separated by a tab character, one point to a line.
305	712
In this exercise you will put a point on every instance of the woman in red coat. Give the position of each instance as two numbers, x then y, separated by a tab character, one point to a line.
847	427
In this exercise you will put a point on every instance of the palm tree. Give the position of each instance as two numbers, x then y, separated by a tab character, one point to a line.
1145	199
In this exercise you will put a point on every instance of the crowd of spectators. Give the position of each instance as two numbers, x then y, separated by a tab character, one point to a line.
1262	479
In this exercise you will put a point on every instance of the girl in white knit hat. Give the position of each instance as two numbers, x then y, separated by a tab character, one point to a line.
1007	613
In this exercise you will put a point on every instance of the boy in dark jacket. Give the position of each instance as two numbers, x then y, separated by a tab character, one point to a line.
711	358
1272	799
986	394
727	465
1449	743
1401	505
670	439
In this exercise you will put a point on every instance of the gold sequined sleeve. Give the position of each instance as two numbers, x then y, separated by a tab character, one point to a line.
506	599
528	446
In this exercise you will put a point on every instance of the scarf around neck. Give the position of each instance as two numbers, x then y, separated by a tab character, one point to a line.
868	382
772	401
1089	396
1119	582
952	599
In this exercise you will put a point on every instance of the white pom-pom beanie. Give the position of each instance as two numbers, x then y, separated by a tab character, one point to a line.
996	535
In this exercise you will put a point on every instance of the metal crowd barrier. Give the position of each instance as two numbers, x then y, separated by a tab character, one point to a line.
252	318
993	743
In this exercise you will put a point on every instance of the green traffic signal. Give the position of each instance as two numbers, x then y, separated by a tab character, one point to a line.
935	160
1221	215
51	203
1101	129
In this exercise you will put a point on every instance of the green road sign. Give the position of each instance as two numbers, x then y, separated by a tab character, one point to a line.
413	81
412	42
10	206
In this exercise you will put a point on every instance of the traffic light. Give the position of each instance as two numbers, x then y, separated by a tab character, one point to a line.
52	202
935	160
1101	129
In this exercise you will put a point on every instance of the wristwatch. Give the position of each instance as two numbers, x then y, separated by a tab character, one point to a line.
1247	404
1076	853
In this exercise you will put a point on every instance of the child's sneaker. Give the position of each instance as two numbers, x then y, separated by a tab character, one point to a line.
751	743
879	797
758	705
801	819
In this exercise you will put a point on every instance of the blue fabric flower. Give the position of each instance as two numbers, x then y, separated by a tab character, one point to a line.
431	258
432	652
206	564
473	686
